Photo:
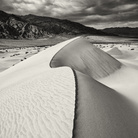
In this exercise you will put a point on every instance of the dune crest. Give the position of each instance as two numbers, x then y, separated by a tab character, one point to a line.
82	56
100	112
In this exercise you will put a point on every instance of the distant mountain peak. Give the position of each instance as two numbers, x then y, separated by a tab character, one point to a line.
34	26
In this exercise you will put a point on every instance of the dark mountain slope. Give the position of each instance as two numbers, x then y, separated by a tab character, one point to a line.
12	26
32	26
122	31
57	26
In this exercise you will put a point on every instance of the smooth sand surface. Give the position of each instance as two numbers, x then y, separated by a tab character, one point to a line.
81	55
102	112
115	51
105	110
125	81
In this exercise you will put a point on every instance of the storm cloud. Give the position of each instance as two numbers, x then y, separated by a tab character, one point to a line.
96	13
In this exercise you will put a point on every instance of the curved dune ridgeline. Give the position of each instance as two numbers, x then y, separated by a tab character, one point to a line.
100	112
35	100
81	55
70	90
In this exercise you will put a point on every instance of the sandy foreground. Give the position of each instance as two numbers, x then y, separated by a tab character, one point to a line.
73	89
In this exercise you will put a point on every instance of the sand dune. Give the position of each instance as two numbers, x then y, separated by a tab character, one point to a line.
81	55
127	57
123	54
125	81
41	106
102	112
35	100
87	93
30	67
115	51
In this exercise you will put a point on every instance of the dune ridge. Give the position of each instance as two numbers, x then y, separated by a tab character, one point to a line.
68	90
100	111
81	55
35	100
30	67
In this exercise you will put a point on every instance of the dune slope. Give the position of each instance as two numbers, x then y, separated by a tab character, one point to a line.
101	112
41	106
35	100
115	51
83	95
81	55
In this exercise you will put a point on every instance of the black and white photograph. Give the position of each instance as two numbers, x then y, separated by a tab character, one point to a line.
68	68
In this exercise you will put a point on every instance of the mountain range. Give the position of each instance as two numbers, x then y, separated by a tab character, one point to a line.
123	31
32	27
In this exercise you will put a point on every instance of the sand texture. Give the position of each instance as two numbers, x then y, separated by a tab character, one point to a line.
39	107
72	90
35	100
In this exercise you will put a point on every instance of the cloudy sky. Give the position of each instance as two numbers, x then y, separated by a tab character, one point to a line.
94	13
